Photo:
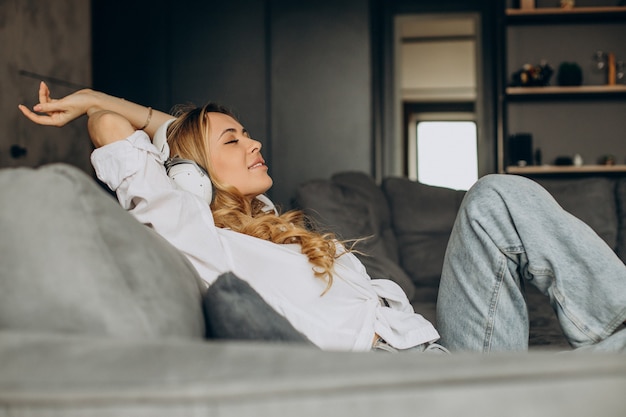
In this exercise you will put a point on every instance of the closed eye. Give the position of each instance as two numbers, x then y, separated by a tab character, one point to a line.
231	141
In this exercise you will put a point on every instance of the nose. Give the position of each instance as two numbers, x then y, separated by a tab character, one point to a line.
255	146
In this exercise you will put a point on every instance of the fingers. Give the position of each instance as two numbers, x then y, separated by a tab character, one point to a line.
57	119
34	117
53	106
44	93
54	113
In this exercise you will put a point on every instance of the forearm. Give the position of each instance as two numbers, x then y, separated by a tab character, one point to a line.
135	113
59	112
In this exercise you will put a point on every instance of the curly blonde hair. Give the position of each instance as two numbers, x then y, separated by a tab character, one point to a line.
188	137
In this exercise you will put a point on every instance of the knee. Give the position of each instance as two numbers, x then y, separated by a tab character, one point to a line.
492	189
503	184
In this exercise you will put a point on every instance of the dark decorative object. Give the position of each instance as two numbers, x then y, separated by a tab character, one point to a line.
538	156
533	75
18	151
520	149
563	161
570	74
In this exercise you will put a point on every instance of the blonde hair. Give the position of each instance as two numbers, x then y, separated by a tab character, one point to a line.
188	137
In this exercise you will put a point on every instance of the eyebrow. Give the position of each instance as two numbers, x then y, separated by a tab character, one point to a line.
233	130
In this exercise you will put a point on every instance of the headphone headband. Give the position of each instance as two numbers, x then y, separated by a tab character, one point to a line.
160	138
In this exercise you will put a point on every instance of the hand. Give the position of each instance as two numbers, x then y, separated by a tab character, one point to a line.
59	112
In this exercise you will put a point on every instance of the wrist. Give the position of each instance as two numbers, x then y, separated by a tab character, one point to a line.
97	101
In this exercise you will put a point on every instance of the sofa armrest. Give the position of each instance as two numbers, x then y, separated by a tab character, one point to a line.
45	374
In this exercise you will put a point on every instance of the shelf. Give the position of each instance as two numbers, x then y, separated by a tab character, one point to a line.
514	103
555	15
554	169
558	91
557	11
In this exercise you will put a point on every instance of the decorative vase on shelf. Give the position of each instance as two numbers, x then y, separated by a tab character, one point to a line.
620	72
567	4
570	74
611	75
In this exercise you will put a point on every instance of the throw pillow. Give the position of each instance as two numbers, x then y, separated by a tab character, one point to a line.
234	310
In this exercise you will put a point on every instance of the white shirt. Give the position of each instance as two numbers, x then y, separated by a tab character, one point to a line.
345	318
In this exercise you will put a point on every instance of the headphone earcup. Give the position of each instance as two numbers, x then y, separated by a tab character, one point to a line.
188	176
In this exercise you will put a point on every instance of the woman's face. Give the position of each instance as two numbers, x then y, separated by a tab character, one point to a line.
236	157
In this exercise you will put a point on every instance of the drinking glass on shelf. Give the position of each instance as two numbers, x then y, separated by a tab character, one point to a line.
619	72
599	60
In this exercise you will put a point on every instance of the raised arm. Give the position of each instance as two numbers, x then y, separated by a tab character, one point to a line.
106	127
59	112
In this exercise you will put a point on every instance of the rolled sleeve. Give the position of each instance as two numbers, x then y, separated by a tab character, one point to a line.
119	160
133	168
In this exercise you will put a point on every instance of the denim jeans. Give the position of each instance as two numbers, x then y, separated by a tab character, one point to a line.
510	231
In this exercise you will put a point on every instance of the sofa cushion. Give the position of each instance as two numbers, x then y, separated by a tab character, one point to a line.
590	199
422	217
378	207
353	207
620	193
74	261
234	310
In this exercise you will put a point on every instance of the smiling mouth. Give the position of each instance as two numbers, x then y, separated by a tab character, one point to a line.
257	165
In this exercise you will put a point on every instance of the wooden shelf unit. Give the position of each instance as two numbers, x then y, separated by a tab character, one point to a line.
569	169
583	89
556	11
538	18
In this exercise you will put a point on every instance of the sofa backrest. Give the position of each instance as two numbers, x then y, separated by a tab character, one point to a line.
620	193
593	200
412	221
422	217
352	206
74	261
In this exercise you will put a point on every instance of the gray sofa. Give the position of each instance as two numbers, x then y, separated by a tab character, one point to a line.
99	316
409	224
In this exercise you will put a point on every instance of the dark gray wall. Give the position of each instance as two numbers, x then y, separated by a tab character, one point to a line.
298	74
320	90
219	53
48	41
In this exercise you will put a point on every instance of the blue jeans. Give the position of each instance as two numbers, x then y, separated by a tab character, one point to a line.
509	230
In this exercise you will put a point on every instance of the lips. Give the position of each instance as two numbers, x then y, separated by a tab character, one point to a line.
257	164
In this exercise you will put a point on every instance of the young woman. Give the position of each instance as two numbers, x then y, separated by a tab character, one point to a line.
508	230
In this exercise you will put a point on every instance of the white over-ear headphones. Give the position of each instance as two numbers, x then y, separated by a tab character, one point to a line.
188	175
